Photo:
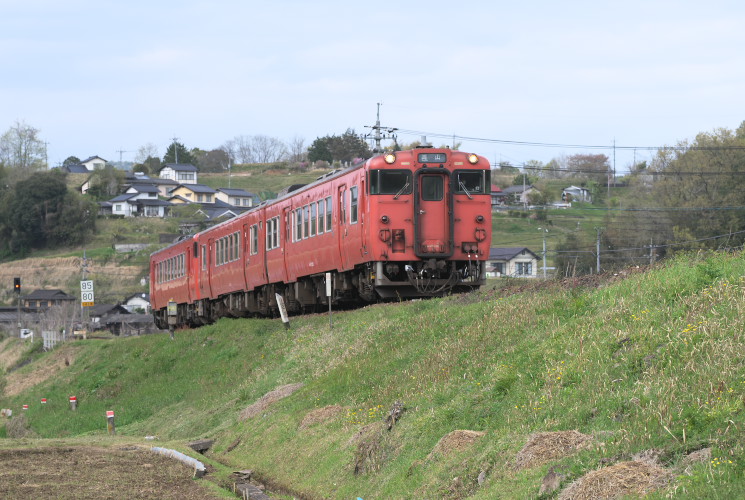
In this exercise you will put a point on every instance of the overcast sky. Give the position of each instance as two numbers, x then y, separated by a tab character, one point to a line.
101	76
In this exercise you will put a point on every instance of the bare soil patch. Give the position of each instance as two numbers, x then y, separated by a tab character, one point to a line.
633	478
321	415
268	399
96	473
455	442
10	352
19	381
542	447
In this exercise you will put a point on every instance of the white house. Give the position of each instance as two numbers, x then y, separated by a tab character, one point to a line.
183	173
236	197
93	163
517	262
139	199
576	193
137	302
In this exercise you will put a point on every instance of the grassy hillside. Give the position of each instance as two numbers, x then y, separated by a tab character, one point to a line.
646	365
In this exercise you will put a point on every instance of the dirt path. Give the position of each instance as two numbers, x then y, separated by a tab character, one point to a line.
83	472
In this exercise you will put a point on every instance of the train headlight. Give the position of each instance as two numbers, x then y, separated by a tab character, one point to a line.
473	159
390	158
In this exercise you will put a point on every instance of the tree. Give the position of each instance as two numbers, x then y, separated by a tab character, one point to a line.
595	167
22	148
177	153
215	160
343	148
71	160
296	152
106	182
40	212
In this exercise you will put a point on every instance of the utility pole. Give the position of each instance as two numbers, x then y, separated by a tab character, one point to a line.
175	149
120	151
377	136
599	230
544	251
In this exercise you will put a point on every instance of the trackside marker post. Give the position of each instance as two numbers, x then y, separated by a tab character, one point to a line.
43	401
73	402
282	310
25	407
110	422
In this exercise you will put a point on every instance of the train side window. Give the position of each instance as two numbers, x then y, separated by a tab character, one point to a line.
353	205
329	213
204	257
298	224
218	252
342	206
237	245
321	215
313	217
306	221
276	232
254	234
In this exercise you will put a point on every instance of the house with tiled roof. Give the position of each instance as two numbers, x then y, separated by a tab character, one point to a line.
183	173
519	262
193	193
93	163
237	197
40	300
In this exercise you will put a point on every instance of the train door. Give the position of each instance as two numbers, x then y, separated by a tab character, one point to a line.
433	213
342	226
206	282
245	255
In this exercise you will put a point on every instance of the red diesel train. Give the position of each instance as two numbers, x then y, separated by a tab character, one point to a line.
413	223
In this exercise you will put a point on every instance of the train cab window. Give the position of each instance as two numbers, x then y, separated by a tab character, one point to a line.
353	205
313	219
321	215
432	187
395	182
328	214
473	182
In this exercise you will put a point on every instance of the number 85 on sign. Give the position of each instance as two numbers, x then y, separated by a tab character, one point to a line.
86	293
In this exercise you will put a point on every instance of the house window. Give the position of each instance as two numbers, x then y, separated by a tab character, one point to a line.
199	198
524	268
499	268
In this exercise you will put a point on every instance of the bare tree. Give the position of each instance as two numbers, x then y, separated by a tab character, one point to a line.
268	149
146	151
297	152
21	147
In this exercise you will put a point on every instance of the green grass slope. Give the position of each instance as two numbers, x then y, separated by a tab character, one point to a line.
648	362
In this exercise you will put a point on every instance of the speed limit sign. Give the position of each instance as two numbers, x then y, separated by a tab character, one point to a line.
86	293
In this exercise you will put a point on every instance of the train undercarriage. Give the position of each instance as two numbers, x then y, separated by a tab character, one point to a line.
367	283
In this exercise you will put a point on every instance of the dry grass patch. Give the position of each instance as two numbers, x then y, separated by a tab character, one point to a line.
41	370
455	442
321	415
11	351
268	399
542	447
624	479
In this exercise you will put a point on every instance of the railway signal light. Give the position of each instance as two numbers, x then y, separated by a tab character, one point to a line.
17	285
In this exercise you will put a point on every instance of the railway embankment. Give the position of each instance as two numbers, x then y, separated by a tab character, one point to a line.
630	383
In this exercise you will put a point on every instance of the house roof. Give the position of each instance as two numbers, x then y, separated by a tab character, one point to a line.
495	189
180	167
508	253
197	188
129	318
235	192
101	310
142	296
92	158
575	188
76	169
53	294
144	188
517	189
122	197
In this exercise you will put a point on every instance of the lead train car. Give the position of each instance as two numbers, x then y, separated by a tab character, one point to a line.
413	223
